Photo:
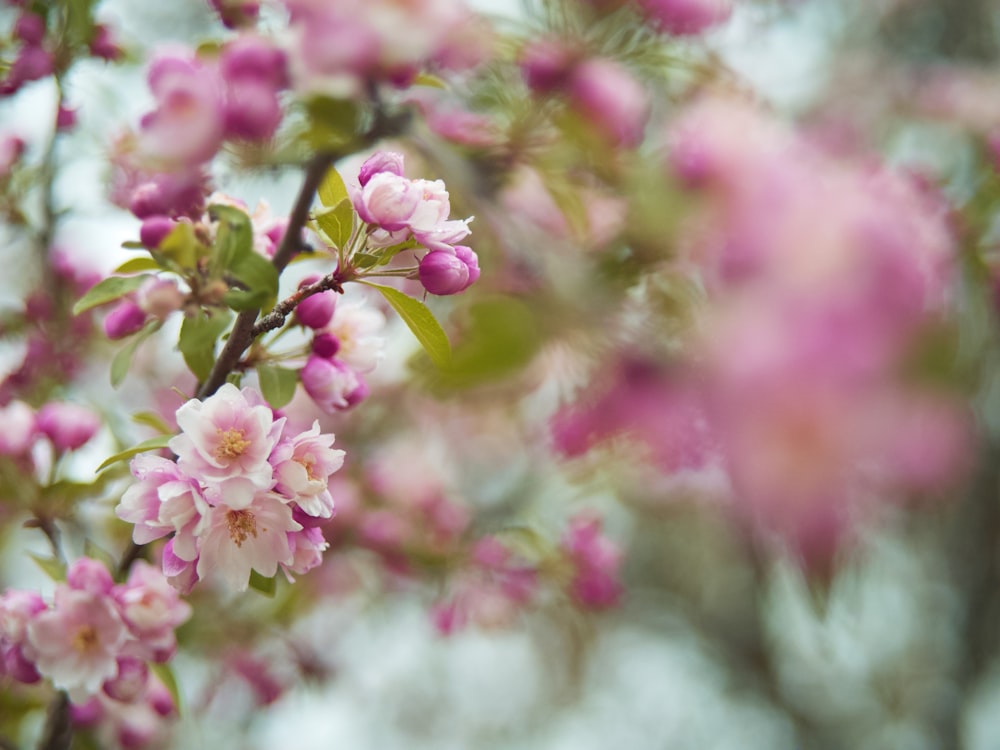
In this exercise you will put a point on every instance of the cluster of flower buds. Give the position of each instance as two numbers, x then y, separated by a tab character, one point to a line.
96	637
154	300
200	103
244	494
601	91
346	346
65	425
34	59
399	209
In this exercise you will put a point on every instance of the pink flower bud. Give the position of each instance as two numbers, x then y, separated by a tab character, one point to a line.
90	575
236	13
159	699
380	161
154	230
86	714
443	273
615	103
68	426
468	256
685	17
252	110
251	58
129	684
103	45
160	297
332	384
325	345
32	63
30	29
124	319
18	431
388	201
65	118
316	310
11	150
547	64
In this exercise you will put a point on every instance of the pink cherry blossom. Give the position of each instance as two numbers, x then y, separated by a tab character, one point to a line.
226	436
151	609
77	642
302	467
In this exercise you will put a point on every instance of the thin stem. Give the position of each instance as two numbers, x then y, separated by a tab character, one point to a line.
279	314
242	334
57	733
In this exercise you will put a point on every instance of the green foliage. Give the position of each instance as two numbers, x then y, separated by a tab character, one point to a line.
265	586
337	223
108	290
166	676
332	190
233	253
153	420
332	123
123	359
137	265
181	246
420	321
197	340
53	568
277	384
152	444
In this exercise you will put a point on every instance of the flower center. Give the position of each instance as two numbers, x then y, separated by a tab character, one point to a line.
309	465
85	639
241	524
232	443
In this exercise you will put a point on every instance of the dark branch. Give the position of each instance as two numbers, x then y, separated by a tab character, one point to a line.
277	317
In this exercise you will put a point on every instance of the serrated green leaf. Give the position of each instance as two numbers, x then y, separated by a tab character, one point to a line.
337	223
233	238
123	359
160	441
332	190
137	265
197	341
53	568
166	675
108	290
266	586
152	419
277	384
420	321
181	246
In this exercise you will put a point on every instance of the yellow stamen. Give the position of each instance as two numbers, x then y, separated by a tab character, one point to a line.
85	639
241	523
232	443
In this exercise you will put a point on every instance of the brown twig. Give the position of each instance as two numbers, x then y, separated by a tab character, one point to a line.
57	733
279	314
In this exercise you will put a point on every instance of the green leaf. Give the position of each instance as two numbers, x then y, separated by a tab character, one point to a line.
233	238
391	252
53	568
261	278
332	123
337	223
160	441
277	384
241	299
363	261
133	245
332	190
123	359
154	420
420	321
181	246
137	265
108	290
197	341
266	586
166	676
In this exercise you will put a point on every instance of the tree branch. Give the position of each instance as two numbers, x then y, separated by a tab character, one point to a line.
277	317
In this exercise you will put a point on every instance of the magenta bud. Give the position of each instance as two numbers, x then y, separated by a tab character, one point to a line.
89	575
252	111
468	256
147	200
159	699
130	682
607	95
125	319
380	161
546	65
316	310
103	45
250	58
30	29
65	118
325	345
17	665
68	426
154	230
332	384
32	63
443	273
88	713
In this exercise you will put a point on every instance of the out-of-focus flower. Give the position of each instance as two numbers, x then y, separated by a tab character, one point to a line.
685	17
18	433
609	97
68	426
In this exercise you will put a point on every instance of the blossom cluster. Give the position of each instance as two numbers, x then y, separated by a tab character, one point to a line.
244	494
399	209
95	636
346	345
67	427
